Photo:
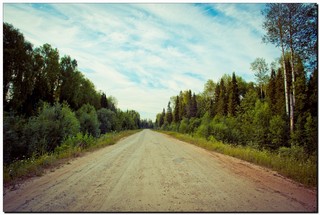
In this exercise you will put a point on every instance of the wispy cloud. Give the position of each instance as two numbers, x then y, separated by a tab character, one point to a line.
145	53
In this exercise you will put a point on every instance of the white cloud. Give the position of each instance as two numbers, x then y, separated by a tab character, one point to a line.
141	53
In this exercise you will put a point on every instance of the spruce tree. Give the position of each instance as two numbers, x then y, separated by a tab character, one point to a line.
234	100
169	114
216	100
271	91
222	101
193	106
176	113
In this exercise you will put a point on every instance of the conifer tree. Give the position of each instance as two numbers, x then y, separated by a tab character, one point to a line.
169	114
271	90
216	100
176	113
222	101
234	100
193	106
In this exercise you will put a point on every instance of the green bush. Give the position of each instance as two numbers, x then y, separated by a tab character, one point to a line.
194	123
183	128
226	129
73	145
261	120
14	145
47	130
204	130
311	133
88	119
106	119
278	130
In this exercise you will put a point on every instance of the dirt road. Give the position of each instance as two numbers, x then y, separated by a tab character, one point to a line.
149	171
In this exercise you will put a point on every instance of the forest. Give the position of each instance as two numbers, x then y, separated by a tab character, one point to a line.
47	100
279	111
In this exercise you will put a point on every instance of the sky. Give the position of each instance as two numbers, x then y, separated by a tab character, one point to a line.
143	54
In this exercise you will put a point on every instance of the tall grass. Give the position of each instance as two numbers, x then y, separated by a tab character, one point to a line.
70	148
298	168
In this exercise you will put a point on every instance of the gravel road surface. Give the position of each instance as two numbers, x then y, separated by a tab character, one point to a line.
152	172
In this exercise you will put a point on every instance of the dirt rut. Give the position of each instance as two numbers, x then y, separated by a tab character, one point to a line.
152	172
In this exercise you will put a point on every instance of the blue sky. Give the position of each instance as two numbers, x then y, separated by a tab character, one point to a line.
143	54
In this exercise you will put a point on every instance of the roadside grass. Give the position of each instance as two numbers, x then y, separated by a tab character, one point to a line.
300	170
70	148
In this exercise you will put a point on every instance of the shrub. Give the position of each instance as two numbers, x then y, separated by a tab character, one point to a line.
88	119
80	141
14	145
204	130
277	132
261	120
194	123
47	130
106	119
183	128
311	132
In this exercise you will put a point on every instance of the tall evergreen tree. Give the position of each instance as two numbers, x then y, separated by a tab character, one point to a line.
279	94
176	113
222	102
271	90
211	109
104	101
193	106
169	114
182	107
216	99
188	104
234	99
162	118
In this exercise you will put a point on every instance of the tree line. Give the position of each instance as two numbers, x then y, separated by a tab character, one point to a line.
277	112
46	100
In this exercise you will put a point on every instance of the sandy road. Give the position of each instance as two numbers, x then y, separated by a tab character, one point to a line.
149	171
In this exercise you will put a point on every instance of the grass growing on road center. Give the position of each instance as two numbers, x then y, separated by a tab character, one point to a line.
301	170
70	148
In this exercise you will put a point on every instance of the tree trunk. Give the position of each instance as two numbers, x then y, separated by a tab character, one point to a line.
286	92
291	113
292	99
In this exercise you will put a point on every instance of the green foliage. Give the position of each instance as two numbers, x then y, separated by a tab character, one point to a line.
234	100
169	117
278	130
52	125
204	130
18	73
261	120
183	128
311	132
88	119
107	120
260	67
80	141
194	123
176	113
34	75
222	101
14	145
